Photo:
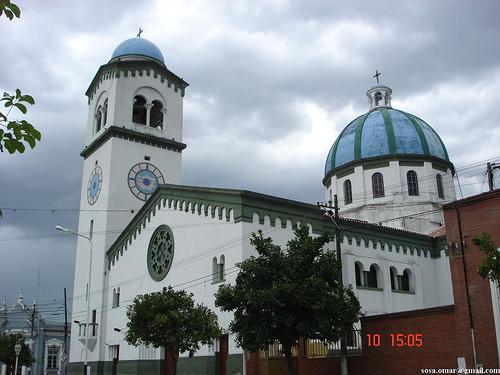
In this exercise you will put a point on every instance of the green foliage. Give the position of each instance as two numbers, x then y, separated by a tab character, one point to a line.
284	295
14	133
171	319
491	265
11	10
8	355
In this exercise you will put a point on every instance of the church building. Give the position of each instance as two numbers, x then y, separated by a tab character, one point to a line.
389	168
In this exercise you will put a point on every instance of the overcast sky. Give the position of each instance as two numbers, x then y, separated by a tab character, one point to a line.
272	83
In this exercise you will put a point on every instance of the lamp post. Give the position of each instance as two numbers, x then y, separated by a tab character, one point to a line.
17	349
87	325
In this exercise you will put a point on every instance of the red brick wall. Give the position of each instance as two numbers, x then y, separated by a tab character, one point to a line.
437	325
438	351
478	214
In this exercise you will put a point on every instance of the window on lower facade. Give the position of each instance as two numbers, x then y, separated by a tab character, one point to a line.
439	183
370	278
218	269
52	354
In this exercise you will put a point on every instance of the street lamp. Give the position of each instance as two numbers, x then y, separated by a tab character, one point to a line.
87	326
17	349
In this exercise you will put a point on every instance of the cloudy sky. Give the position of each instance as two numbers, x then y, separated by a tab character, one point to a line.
272	83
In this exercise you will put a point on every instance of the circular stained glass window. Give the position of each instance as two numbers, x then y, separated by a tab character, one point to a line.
160	252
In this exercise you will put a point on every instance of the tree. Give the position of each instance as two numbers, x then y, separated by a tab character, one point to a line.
171	320
14	134
491	265
285	295
7	352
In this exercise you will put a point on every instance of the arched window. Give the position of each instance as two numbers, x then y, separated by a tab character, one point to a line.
439	183
358	273
394	278
221	267
214	270
405	281
378	185
411	179
156	117
139	110
370	277
347	192
98	119
105	112
378	97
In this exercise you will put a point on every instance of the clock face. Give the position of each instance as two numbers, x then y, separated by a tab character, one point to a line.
160	252
143	179
94	185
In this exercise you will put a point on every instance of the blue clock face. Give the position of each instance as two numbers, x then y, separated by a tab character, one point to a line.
143	179
94	185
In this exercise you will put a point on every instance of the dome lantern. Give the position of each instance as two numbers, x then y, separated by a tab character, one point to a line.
379	96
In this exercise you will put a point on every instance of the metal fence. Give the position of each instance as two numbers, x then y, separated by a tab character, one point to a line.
317	349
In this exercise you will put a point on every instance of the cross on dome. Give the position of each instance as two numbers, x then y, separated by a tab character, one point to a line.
377	74
141	30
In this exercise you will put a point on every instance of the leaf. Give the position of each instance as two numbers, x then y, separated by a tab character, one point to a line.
10	146
9	14
28	98
15	9
31	141
21	107
18	93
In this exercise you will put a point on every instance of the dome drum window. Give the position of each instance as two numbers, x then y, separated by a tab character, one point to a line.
347	192
378	185
411	178
439	183
139	110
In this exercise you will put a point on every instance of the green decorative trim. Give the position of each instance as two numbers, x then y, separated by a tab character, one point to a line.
403	291
357	137
241	205
439	167
377	165
123	133
345	173
437	135
370	288
334	153
403	163
421	135
115	70
397	157
389	129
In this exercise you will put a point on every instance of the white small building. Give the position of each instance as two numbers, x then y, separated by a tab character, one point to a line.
148	231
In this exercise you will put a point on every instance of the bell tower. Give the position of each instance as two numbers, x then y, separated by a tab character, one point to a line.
133	144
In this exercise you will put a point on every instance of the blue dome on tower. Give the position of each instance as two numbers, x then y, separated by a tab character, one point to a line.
138	47
384	132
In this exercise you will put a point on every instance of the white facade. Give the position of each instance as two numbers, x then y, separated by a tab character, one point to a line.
213	226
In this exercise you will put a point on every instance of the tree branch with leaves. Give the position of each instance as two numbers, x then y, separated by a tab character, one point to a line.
171	320
491	265
284	295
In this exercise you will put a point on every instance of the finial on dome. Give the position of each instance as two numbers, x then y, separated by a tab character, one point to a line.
379	95
20	298
140	32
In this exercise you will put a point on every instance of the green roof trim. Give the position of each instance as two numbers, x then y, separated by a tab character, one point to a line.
357	137
114	70
241	205
123	133
421	134
391	139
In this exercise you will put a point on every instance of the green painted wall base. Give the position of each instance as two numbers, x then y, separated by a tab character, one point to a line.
197	365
